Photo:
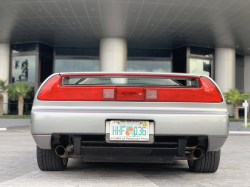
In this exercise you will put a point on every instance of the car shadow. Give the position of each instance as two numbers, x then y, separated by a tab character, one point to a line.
78	164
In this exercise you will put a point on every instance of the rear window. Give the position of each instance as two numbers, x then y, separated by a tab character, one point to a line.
128	81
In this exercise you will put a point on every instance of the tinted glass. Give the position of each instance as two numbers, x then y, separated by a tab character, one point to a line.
201	51
46	69
23	48
149	53
77	51
199	66
23	68
148	66
144	81
76	65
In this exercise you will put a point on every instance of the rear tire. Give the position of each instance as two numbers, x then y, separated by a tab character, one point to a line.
47	160
208	163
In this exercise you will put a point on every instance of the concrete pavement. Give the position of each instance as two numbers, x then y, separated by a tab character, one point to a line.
18	168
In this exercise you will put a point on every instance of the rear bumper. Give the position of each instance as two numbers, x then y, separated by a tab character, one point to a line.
172	121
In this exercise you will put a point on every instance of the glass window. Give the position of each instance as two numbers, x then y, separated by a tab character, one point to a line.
88	65
148	66
68	65
123	80
76	65
199	66
59	65
201	51
46	69
23	68
23	48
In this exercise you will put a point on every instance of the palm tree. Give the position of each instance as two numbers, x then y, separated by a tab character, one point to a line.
19	91
233	96
3	88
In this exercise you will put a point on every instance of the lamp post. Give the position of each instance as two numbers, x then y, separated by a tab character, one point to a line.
245	104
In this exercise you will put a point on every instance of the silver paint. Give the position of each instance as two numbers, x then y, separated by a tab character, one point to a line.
170	118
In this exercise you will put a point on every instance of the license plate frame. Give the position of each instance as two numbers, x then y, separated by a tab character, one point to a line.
129	130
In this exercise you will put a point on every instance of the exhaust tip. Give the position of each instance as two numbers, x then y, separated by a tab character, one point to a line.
197	153
61	151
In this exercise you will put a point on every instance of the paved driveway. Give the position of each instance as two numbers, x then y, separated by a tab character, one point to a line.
18	168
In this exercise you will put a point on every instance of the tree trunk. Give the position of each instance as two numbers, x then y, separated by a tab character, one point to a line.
20	106
236	111
1	104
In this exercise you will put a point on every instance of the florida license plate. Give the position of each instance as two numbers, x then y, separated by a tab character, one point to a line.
129	130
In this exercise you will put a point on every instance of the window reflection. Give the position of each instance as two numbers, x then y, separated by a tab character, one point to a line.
23	68
76	65
200	66
148	66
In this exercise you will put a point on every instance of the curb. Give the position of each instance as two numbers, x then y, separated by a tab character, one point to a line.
3	129
239	133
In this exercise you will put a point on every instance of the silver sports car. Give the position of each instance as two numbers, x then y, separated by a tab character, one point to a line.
129	117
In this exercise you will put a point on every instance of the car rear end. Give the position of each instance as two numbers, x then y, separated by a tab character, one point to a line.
129	117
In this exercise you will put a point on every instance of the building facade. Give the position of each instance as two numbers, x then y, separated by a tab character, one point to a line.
38	38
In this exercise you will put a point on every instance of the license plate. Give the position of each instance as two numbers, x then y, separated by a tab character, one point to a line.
129	130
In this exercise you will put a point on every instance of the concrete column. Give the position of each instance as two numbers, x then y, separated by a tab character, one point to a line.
113	54
4	68
225	68
247	74
225	71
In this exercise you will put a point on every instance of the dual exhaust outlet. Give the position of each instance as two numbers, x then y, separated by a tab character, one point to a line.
192	153
64	152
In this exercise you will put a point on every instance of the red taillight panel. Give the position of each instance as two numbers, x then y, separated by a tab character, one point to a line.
49	90
53	90
210	91
207	92
129	94
178	94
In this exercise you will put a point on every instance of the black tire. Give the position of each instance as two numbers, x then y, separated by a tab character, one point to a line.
47	160
208	163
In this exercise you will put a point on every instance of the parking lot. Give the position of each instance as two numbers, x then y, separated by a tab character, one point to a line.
18	167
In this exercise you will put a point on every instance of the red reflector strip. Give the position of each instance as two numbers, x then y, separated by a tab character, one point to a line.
151	94
108	93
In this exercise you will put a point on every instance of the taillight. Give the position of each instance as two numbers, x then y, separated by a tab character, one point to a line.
49	90
151	94
206	92
52	90
210	91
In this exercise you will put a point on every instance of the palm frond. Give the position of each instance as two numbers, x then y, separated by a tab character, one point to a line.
19	89
233	96
3	86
